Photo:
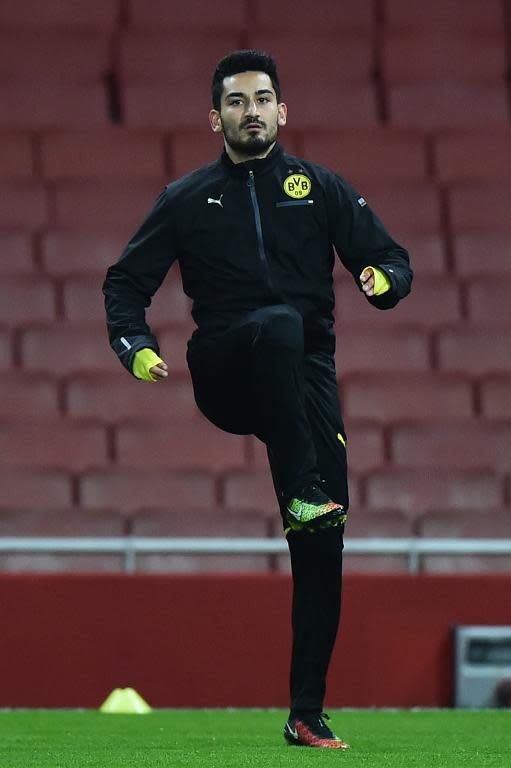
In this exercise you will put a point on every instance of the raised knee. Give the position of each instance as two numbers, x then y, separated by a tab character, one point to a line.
284	327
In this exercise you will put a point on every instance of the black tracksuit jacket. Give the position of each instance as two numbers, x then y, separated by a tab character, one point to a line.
243	242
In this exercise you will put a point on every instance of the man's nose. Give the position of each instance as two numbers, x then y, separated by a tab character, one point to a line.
252	108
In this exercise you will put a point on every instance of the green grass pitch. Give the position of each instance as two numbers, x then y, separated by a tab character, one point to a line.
239	738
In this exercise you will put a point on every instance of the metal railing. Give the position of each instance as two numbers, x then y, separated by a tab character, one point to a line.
131	546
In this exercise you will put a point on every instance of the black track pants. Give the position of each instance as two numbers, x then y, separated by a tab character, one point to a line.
257	379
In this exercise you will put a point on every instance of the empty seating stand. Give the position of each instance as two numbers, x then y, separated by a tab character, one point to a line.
367	524
441	72
217	522
57	523
112	153
163	76
58	80
104	103
445	15
96	15
349	99
197	15
485	523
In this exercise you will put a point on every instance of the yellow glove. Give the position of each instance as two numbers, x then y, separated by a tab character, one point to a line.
382	282
143	361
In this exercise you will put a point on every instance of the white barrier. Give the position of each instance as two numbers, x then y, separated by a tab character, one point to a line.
131	546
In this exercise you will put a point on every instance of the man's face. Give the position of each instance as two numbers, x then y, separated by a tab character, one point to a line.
249	115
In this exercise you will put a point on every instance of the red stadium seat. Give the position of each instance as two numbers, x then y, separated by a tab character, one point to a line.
5	350
355	489
446	104
445	15
348	57
104	206
473	350
256	452
403	350
479	155
26	299
24	205
158	106
50	57
366	524
127	490
194	15
53	443
248	487
54	105
480	206
26	398
488	303
68	253
60	522
117	396
456	444
34	488
66	348
186	445
495	397
16	156
404	207
83	299
112	153
414	491
58	80
61	563
365	446
173	60
482	253
427	250
16	250
52	522
474	524
192	522
212	521
352	308
288	17
386	523
395	396
100	15
384	155
427	58
436	80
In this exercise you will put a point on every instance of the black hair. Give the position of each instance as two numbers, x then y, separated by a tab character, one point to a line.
243	61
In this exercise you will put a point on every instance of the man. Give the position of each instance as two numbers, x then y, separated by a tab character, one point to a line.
254	233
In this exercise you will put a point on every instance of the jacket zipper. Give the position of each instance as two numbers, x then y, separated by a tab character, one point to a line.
259	229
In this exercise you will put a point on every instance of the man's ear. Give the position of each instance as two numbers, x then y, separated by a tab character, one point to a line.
215	121
282	113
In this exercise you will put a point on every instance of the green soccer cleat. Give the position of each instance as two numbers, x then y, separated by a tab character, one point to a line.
312	510
311	731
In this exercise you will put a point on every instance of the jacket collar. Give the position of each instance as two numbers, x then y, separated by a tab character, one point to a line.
260	166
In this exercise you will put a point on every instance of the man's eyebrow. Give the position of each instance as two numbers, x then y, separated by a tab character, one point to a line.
234	94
